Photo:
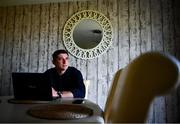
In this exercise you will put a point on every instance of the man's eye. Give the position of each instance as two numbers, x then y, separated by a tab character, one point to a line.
60	59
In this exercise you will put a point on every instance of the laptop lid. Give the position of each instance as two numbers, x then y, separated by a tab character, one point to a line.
31	86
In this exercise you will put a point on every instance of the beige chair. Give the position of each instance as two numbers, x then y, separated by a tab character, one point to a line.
86	83
111	94
133	89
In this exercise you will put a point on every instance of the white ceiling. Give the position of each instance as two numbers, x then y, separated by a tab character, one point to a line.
23	2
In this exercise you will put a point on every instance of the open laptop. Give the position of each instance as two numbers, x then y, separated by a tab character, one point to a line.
31	86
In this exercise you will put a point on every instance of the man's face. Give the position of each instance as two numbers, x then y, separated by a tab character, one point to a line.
61	62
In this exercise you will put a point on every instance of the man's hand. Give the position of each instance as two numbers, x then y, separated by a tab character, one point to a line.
54	93
65	94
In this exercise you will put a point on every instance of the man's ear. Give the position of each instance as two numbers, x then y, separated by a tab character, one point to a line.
53	61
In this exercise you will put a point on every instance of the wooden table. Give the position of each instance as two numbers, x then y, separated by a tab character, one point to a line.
13	112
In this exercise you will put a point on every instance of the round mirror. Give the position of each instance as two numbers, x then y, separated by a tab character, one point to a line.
87	34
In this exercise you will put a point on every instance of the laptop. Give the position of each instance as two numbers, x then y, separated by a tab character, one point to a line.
31	86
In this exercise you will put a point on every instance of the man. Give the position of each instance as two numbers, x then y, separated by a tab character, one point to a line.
66	81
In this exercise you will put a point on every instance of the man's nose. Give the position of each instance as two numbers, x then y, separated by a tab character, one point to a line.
64	61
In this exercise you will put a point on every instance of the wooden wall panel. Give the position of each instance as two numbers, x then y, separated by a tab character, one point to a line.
25	43
176	14
43	34
63	16
134	35
168	27
156	25
8	50
53	32
17	41
145	26
34	39
17	38
3	12
29	34
123	33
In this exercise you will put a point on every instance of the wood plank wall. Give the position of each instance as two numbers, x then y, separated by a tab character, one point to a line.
29	34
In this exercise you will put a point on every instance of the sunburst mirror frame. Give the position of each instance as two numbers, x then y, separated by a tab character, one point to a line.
91	53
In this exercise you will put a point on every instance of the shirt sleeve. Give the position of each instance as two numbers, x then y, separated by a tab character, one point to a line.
49	76
79	91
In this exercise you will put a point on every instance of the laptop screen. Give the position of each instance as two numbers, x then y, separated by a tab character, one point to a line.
31	86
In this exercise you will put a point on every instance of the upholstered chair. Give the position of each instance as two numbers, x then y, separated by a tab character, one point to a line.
134	88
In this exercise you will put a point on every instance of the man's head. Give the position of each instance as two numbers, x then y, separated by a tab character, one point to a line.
61	60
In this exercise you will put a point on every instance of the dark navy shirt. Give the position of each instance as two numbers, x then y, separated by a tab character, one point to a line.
71	80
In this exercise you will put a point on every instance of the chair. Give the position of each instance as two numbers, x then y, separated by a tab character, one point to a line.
86	83
134	88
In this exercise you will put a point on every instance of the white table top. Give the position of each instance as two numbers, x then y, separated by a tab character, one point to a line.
13	112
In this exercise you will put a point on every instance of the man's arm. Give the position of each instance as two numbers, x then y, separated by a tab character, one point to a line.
66	94
63	94
79	91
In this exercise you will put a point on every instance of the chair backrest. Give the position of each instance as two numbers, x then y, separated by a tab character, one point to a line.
111	94
86	83
149	75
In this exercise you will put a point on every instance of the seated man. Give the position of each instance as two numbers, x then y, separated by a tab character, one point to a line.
66	81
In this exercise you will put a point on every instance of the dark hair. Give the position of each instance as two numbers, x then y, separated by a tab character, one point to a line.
57	52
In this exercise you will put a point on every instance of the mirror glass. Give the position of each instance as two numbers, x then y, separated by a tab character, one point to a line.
87	34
